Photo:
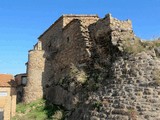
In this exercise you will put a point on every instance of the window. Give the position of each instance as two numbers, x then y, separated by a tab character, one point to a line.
24	80
67	39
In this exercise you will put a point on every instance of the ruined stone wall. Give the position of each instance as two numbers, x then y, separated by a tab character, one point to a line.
34	89
108	36
131	91
68	32
54	40
116	87
87	19
83	41
73	45
94	75
111	26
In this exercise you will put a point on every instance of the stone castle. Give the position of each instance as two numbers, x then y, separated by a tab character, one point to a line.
95	68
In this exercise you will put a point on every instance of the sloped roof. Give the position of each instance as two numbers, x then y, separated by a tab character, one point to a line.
21	74
7	80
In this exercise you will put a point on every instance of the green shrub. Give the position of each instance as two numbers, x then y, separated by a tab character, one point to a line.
77	73
136	46
133	46
21	108
38	110
97	105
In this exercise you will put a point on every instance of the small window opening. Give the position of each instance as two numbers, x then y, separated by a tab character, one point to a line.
68	39
24	80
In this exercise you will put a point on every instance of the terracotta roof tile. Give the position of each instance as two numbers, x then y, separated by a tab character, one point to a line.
7	80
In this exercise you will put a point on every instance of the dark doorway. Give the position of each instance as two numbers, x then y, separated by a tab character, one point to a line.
1	114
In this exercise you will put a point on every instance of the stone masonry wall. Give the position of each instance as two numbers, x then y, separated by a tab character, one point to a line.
87	19
95	75
121	86
73	39
53	40
53	36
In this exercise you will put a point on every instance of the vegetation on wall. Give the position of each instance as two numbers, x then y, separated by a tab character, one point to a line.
136	46
38	110
156	74
78	74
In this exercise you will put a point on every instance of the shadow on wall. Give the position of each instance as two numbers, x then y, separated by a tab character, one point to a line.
21	81
12	82
53	110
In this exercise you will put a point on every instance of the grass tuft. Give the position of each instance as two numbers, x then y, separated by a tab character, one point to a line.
38	110
136	46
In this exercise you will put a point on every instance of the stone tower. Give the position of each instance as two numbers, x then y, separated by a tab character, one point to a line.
35	69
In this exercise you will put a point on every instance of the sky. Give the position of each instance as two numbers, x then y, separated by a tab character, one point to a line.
23	21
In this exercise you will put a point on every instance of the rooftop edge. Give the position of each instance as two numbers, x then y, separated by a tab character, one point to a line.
68	15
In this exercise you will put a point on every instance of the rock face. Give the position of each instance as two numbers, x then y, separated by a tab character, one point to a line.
97	69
